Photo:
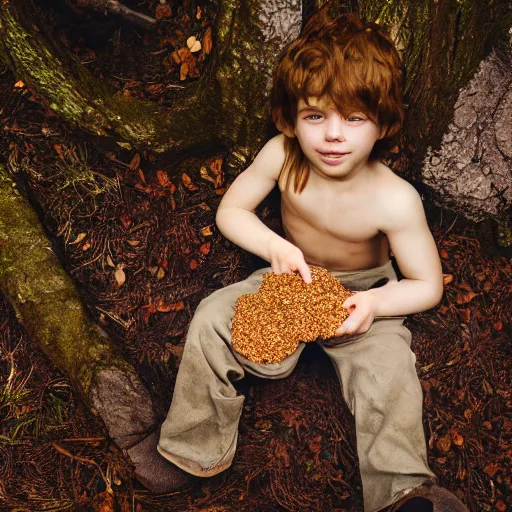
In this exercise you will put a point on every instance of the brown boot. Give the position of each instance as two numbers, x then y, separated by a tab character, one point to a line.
429	498
155	472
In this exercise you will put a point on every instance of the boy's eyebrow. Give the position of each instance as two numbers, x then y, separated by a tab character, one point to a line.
310	107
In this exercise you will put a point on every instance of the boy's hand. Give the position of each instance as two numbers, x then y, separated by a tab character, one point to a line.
285	258
361	307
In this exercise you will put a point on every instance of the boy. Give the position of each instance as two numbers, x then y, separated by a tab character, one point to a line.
336	99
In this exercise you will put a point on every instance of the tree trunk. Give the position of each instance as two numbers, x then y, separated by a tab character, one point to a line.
443	44
48	306
117	8
228	104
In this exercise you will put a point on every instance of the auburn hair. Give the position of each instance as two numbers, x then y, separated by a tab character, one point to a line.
354	65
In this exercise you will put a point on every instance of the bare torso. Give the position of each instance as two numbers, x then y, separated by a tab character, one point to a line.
335	226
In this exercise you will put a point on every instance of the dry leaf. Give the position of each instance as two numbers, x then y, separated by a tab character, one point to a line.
443	254
134	164
188	182
162	178
447	279
78	239
134	243
196	47
194	264
193	44
109	261
206	176
198	13
86	246
120	276
491	469
457	439
183	71
161	273
125	220
207	41
163	11
153	270
220	191
19	84
444	443
464	298
177	306
205	248
58	149
206	231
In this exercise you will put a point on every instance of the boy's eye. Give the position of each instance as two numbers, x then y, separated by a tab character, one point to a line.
314	117
354	119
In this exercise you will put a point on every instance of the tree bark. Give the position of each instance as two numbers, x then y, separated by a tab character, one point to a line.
443	44
48	306
117	8
227	104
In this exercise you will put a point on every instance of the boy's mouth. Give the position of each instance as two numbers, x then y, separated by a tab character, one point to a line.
332	156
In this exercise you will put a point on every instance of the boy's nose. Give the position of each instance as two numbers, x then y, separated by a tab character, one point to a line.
335	129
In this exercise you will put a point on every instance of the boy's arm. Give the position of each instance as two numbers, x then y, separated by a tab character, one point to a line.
416	254
237	221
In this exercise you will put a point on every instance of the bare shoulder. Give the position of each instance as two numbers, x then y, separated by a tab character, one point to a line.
271	157
398	202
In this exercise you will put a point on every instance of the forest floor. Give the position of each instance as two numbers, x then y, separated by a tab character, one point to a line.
141	244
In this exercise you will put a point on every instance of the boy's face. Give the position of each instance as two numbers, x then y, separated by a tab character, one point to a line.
336	147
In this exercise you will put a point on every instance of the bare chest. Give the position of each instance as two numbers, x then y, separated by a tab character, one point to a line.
349	219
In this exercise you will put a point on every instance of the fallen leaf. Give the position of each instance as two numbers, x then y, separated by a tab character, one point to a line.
457	439
194	264
498	326
206	176
205	248
109	261
120	276
134	164
444	443
134	243
183	71
263	424
163	11
198	13
206	231
220	191
125	220
163	178
86	246
78	239
161	273
207	41
443	254
491	469
188	182
58	149
314	447
19	84
165	308
447	279
193	44
196	47
501	506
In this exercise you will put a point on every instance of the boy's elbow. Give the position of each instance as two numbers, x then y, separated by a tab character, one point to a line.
220	218
437	294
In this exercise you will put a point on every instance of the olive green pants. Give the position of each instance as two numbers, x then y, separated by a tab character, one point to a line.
378	380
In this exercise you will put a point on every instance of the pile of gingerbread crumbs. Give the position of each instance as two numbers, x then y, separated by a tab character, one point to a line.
268	325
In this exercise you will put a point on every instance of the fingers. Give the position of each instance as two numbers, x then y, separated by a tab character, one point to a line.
305	272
